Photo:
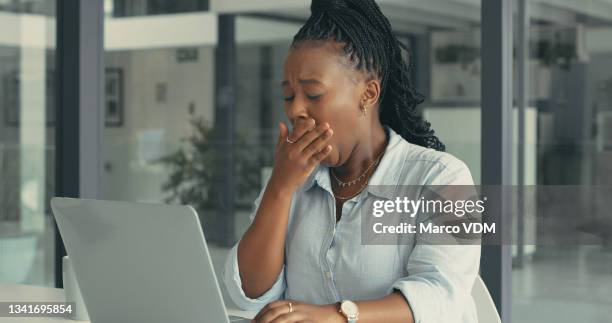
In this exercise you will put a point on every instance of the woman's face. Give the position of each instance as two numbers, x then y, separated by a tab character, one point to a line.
318	83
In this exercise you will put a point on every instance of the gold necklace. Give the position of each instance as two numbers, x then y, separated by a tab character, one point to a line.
349	197
356	180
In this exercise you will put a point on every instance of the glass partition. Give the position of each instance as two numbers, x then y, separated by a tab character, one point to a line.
568	128
27	141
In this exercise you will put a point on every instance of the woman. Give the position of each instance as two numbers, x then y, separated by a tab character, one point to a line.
355	126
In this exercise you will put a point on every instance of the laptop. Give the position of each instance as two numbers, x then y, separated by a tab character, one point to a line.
140	263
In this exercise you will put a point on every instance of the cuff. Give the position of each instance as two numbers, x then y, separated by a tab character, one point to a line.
427	305
233	283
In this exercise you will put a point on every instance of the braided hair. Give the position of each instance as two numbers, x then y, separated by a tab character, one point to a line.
369	43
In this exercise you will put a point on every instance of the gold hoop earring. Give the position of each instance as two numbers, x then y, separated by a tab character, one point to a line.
364	110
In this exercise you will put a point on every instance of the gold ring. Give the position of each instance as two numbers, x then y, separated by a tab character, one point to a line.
290	307
289	141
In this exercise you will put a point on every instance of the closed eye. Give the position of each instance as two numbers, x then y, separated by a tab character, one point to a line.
310	97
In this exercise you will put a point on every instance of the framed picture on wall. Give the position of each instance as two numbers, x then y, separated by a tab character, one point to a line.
455	67
10	98
11	101
50	103
113	99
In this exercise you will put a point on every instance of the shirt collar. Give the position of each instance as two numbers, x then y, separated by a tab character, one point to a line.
384	180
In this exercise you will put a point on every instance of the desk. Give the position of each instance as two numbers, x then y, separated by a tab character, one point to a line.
28	293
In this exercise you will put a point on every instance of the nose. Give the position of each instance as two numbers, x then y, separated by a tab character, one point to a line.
297	111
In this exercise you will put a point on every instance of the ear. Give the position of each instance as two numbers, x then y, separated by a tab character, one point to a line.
371	93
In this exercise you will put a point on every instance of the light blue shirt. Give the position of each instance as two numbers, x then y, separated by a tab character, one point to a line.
325	261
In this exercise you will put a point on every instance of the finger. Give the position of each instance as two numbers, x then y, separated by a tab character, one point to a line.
319	143
312	135
301	127
282	133
273	313
289	318
318	157
270	306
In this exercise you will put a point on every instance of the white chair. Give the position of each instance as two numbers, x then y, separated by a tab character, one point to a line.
485	308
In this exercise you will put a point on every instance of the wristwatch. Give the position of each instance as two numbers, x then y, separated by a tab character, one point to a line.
350	311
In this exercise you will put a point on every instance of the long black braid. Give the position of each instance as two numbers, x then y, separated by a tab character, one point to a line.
371	46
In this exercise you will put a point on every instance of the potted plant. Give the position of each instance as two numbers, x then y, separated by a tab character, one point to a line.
197	165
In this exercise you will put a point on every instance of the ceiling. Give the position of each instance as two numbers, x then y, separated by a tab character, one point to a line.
421	16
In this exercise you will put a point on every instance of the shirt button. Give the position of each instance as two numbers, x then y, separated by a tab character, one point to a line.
328	274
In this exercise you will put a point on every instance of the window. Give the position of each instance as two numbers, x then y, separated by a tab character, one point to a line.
568	123
27	141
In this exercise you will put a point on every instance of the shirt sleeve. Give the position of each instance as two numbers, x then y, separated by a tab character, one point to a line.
233	283
440	277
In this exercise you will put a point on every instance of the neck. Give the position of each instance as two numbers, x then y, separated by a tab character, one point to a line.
370	147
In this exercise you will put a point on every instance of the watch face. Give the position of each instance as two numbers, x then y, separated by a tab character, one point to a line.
349	308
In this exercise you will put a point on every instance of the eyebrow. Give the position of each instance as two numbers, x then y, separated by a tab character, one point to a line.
306	81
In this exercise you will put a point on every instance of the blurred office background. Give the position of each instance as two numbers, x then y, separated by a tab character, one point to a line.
166	138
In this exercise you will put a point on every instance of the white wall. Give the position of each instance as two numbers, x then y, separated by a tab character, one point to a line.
459	130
